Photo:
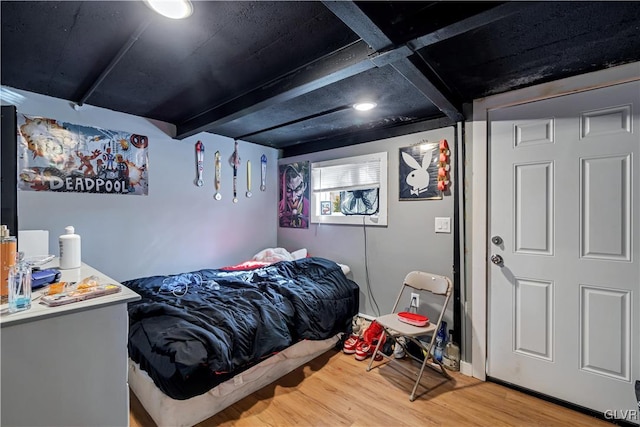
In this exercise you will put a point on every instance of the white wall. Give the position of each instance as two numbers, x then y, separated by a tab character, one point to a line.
177	227
408	243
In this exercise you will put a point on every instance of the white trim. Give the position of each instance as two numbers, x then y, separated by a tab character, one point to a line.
478	248
367	317
479	145
466	368
379	219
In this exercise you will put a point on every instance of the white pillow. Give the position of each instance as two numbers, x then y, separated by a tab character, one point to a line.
273	255
299	254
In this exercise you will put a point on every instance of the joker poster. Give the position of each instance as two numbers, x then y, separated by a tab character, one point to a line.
294	207
64	157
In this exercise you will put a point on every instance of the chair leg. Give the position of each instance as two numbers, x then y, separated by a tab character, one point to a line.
373	356
412	396
444	370
441	367
426	363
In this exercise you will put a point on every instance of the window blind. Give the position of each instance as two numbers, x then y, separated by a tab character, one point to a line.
350	176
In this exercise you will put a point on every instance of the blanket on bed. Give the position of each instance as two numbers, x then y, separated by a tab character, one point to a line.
193	331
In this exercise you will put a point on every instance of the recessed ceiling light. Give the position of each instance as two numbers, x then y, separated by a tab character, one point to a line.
365	106
174	9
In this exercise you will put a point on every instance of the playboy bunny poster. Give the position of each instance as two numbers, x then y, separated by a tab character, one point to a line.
418	176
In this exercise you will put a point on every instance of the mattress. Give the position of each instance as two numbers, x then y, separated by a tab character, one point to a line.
198	346
166	411
191	335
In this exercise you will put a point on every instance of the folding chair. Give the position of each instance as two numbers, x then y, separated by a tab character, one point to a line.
420	281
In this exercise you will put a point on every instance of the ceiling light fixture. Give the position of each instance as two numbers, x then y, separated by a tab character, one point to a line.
364	106
174	9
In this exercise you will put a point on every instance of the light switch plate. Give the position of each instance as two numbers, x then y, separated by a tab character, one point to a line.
443	225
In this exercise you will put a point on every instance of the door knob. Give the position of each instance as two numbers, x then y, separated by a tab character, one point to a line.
496	240
496	259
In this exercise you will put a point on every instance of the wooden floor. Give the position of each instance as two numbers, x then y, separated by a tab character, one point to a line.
335	390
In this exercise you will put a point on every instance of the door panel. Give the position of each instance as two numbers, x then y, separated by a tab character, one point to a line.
608	354
534	208
533	314
605	187
563	305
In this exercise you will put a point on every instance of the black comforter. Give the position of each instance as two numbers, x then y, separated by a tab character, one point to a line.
193	331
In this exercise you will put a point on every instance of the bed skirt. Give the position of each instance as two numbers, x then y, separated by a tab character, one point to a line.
166	411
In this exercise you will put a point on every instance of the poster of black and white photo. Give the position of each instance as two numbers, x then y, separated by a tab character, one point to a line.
418	178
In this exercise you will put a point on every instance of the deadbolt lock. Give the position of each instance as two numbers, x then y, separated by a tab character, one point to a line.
496	240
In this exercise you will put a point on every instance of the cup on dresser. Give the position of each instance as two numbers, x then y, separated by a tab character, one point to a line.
19	285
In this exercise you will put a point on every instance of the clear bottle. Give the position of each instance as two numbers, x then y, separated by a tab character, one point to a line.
20	285
69	249
451	356
8	248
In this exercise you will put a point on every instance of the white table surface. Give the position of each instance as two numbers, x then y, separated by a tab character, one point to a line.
39	311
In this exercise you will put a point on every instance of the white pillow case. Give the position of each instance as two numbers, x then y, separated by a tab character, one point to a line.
279	254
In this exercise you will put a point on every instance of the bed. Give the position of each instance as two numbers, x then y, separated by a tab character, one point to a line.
200	341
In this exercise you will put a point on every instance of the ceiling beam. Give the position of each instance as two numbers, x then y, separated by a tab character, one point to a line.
410	72
298	120
469	24
360	23
339	65
329	143
367	30
374	49
116	59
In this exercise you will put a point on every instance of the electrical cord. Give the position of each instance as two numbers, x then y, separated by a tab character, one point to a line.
366	267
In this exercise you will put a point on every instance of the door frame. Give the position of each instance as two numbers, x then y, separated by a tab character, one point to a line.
478	214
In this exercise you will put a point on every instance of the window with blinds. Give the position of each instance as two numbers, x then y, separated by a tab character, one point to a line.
351	190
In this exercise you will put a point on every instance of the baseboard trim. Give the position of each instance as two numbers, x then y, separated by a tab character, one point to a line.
366	316
466	368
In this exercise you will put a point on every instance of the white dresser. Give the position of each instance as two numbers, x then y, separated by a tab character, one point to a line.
67	365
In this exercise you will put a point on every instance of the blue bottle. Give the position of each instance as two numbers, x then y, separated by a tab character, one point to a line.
441	341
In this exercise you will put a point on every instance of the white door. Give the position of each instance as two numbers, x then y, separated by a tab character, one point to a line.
564	306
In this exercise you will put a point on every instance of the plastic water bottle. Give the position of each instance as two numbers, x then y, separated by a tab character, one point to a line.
451	356
441	339
70	249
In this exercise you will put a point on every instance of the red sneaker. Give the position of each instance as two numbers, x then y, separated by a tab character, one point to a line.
349	346
364	350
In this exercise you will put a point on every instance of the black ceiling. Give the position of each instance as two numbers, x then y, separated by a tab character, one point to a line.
285	74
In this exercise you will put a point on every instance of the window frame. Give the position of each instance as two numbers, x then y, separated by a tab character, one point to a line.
379	219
